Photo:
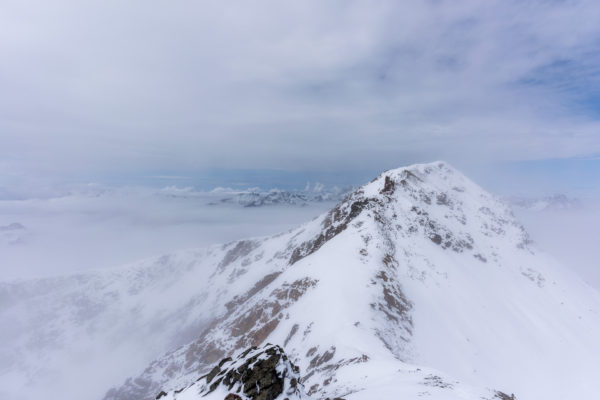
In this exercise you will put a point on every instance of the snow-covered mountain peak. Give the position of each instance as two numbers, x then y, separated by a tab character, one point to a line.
426	200
417	284
404	272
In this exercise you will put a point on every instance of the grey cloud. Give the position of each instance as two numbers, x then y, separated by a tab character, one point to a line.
134	86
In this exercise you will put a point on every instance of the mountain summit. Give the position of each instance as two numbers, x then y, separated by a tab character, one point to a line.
415	283
418	284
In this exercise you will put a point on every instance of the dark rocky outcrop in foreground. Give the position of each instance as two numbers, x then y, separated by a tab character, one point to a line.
258	373
257	376
504	396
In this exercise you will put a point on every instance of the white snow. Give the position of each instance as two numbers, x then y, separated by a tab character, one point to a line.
432	290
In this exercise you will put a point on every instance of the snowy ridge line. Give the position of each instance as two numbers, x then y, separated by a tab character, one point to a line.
420	253
418	284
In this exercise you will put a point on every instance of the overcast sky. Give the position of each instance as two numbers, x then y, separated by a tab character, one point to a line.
140	88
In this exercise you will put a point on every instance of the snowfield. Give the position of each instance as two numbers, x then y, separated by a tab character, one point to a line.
418	285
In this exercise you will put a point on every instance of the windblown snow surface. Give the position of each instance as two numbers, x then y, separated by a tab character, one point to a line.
418	285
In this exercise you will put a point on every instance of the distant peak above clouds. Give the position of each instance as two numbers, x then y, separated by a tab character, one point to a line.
544	203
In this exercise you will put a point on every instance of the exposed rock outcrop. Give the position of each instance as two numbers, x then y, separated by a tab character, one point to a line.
504	396
263	373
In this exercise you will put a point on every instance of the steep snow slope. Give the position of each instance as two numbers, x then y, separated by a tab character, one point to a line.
417	272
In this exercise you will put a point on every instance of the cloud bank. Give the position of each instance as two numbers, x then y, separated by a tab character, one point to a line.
105	227
108	87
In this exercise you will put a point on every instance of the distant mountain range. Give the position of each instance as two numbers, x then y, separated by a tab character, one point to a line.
13	233
553	202
258	198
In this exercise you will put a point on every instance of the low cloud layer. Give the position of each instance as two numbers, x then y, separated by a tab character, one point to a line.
96	227
110	87
109	227
571	236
